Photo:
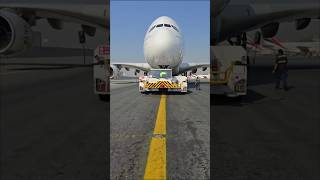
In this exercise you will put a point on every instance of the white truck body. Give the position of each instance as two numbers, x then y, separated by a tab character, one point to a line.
101	66
154	82
229	71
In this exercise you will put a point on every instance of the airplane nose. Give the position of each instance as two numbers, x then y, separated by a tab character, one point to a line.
164	41
164	48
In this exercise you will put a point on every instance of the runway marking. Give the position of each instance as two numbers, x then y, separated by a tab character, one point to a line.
156	167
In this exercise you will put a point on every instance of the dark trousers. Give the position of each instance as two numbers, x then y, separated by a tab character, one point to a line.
282	76
197	85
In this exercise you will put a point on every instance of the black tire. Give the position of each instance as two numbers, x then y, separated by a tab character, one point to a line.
104	97
238	99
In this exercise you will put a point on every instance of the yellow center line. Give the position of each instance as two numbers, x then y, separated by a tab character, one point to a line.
156	167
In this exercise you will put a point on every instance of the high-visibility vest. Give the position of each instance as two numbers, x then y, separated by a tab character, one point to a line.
282	62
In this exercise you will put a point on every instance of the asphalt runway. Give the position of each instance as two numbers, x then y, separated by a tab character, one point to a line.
135	118
270	134
52	125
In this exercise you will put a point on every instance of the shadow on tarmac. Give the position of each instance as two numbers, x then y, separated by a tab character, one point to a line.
166	93
251	97
265	75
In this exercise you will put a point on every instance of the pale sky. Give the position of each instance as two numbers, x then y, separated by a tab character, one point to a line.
131	19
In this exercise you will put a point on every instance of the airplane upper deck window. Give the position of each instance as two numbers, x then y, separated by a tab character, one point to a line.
175	28
164	25
152	28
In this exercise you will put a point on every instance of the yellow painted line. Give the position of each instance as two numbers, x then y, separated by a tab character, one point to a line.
160	127
157	162
156	168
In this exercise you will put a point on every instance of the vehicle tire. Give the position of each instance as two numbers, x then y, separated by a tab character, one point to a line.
104	97
238	99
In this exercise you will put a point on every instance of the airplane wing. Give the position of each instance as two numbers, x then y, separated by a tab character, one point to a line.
293	48
304	49
265	15
184	67
146	67
140	66
95	15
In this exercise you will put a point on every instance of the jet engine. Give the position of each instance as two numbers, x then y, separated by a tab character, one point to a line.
302	23
204	68
194	70
15	33
114	72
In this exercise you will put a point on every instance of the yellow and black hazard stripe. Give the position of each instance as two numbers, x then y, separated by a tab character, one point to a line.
161	84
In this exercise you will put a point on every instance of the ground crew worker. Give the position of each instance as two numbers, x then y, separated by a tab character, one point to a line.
197	83
280	70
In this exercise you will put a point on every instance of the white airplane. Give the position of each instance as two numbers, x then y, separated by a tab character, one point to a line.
232	18
269	46
229	18
163	49
17	19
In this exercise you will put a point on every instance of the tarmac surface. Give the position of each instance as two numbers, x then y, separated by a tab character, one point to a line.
133	120
270	134
52	125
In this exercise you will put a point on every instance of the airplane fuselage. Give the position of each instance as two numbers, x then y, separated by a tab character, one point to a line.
230	18
163	44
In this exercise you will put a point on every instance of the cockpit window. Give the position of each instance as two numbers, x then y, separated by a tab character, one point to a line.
175	28
152	28
164	25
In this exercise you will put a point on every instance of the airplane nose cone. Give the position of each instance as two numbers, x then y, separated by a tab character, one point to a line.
163	49
164	41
